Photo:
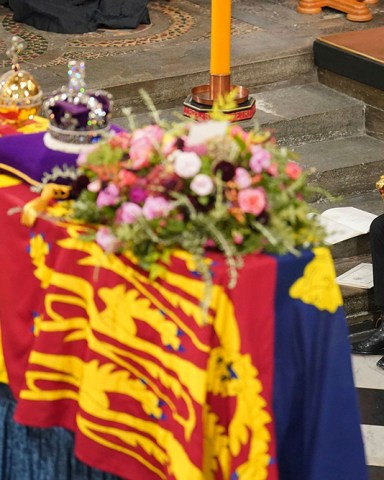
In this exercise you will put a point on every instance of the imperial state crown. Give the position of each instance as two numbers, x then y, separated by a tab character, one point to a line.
78	118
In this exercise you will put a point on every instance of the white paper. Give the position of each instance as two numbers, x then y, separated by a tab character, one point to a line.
203	131
345	222
360	276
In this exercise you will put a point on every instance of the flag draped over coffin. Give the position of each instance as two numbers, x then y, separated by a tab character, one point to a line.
154	389
151	386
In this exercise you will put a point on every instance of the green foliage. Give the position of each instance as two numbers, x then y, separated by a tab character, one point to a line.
159	188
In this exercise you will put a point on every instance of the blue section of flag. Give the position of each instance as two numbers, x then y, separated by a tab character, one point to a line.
314	400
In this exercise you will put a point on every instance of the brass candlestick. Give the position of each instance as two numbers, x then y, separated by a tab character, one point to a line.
199	103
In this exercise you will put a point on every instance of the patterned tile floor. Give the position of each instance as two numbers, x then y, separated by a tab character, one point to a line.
369	381
175	44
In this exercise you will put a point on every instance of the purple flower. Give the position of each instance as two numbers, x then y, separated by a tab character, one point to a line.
79	185
155	207
107	241
137	194
109	196
242	178
260	159
226	170
128	212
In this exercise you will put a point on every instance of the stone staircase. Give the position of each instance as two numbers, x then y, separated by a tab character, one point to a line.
328	129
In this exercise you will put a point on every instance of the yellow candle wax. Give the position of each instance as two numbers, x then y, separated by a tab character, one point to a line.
220	37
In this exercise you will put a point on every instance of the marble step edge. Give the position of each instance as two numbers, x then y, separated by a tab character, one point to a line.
297	114
359	245
343	166
358	303
170	89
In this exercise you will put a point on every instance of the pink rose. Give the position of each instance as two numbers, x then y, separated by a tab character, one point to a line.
293	170
273	170
186	164
152	132
260	159
109	196
237	131
252	200
169	146
126	178
83	156
202	184
200	149
242	178
138	194
155	207
238	237
143	143
140	153
107	241
128	212
120	140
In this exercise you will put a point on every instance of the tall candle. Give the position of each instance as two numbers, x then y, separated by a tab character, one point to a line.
220	37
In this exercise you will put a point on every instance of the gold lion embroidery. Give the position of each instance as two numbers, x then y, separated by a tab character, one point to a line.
317	286
153	374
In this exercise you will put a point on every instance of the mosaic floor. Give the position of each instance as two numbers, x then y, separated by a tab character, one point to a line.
169	22
369	382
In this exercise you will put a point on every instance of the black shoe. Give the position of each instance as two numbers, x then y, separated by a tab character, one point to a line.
380	363
378	321
373	345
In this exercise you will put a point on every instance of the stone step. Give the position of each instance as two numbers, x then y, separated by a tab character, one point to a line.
358	303
369	201
170	91
372	97
271	43
297	114
325	127
309	113
344	166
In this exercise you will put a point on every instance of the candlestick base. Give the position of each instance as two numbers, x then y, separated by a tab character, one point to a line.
200	111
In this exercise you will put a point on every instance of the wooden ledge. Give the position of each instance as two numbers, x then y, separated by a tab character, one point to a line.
357	11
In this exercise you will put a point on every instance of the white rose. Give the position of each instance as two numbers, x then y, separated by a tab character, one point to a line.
186	164
202	184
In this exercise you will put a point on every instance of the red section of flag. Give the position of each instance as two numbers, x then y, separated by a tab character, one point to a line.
139	393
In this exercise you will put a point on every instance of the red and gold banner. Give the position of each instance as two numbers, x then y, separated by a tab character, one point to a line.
152	387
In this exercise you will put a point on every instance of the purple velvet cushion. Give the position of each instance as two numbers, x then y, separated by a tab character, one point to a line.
28	154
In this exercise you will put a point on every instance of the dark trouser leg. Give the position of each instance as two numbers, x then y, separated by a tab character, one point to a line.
374	344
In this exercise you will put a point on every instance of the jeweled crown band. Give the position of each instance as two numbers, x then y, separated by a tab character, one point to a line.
78	136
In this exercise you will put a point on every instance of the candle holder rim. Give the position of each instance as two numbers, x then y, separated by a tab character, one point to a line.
202	94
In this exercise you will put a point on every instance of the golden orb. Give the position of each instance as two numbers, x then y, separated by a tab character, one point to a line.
20	94
20	97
